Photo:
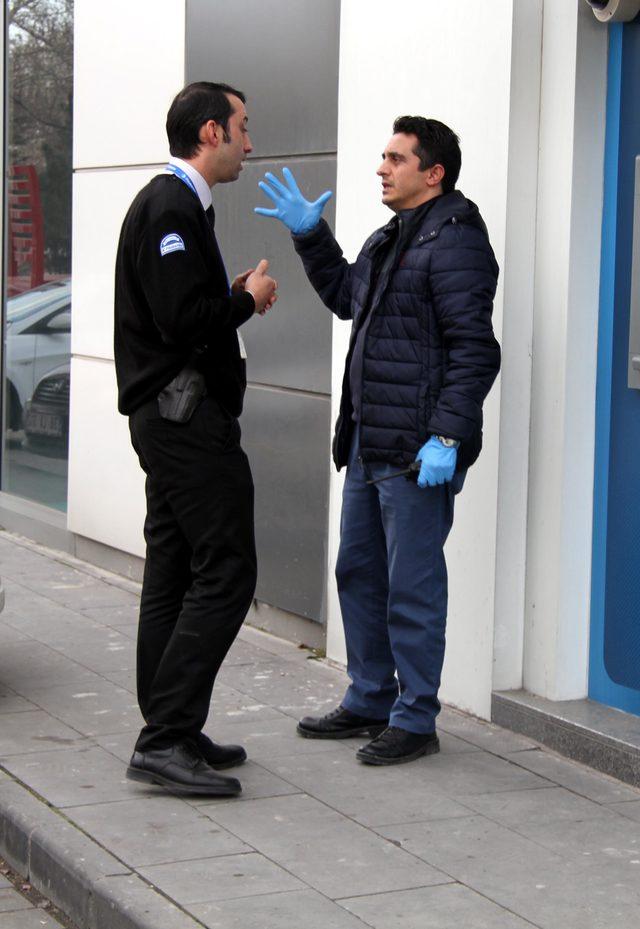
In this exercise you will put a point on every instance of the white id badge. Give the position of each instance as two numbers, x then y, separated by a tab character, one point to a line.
243	351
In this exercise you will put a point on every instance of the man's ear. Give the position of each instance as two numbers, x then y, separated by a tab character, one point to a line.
210	133
435	175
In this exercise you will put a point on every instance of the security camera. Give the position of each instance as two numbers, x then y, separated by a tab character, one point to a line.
615	11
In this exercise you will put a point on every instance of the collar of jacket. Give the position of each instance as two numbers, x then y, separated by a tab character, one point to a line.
449	208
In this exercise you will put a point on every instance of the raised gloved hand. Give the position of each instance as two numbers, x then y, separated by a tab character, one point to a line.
298	214
437	463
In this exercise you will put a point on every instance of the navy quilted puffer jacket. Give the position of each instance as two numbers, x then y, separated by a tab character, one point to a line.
430	355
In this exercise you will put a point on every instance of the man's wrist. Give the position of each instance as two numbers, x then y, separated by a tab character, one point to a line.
447	442
308	233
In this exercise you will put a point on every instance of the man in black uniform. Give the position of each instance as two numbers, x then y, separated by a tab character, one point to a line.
181	380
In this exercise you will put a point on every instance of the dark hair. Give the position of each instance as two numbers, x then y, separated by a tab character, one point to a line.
437	145
195	105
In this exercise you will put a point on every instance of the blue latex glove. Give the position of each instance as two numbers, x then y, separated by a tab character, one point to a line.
437	463
298	214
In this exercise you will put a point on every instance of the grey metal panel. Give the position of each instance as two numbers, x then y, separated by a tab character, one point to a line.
634	318
291	346
283	55
286	436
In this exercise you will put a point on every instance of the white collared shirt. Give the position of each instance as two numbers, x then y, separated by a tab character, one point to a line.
202	188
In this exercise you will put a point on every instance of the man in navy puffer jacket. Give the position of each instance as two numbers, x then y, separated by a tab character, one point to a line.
421	361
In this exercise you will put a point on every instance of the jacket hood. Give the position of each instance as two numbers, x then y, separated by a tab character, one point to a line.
456	206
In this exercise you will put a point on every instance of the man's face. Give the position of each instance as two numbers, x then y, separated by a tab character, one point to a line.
404	185
234	151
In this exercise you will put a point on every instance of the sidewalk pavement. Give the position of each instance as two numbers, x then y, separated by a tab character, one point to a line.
492	833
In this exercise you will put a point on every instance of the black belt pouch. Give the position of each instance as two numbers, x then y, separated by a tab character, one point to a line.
178	400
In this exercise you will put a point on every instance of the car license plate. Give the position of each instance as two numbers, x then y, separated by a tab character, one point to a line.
44	424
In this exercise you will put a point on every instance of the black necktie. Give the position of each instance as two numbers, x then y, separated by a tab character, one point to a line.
211	217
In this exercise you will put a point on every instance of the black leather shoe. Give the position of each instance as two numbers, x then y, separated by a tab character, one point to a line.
219	756
182	770
397	746
339	724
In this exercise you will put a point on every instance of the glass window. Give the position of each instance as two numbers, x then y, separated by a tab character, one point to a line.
37	311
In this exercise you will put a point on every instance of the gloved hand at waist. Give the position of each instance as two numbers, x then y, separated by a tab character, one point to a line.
437	463
291	208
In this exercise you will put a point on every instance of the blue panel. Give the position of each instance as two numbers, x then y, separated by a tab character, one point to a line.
615	624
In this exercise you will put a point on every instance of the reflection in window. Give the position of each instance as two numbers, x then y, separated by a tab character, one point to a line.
37	317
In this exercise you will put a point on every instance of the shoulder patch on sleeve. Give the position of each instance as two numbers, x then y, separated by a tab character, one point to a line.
172	243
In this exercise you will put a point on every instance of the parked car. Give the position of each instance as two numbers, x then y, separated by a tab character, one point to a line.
38	340
46	419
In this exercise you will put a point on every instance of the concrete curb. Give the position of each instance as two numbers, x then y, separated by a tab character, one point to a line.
94	888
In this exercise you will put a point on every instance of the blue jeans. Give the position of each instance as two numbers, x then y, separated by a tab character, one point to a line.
392	584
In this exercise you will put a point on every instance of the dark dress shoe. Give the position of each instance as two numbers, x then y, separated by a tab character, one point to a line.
182	770
397	746
339	724
219	756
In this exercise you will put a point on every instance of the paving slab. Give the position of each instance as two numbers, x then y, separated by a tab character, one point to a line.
11	702
574	776
447	906
33	731
289	910
543	806
326	850
98	648
463	844
28	919
287	686
124	679
220	878
155	829
9	635
73	776
11	900
95	707
606	838
549	889
630	808
124	616
368	794
482	734
27	667
479	773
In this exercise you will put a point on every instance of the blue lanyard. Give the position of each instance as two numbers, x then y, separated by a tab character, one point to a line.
179	173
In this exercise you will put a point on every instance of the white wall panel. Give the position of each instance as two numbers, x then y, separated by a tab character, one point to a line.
129	64
106	483
100	201
453	62
518	275
569	211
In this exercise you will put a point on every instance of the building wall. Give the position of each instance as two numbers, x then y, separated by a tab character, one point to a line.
567	275
123	87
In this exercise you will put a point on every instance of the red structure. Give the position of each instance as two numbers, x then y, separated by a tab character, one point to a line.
26	230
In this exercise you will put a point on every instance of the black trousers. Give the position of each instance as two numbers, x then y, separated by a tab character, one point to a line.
200	569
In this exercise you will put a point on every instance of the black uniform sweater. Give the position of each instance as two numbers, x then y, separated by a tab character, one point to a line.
172	298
